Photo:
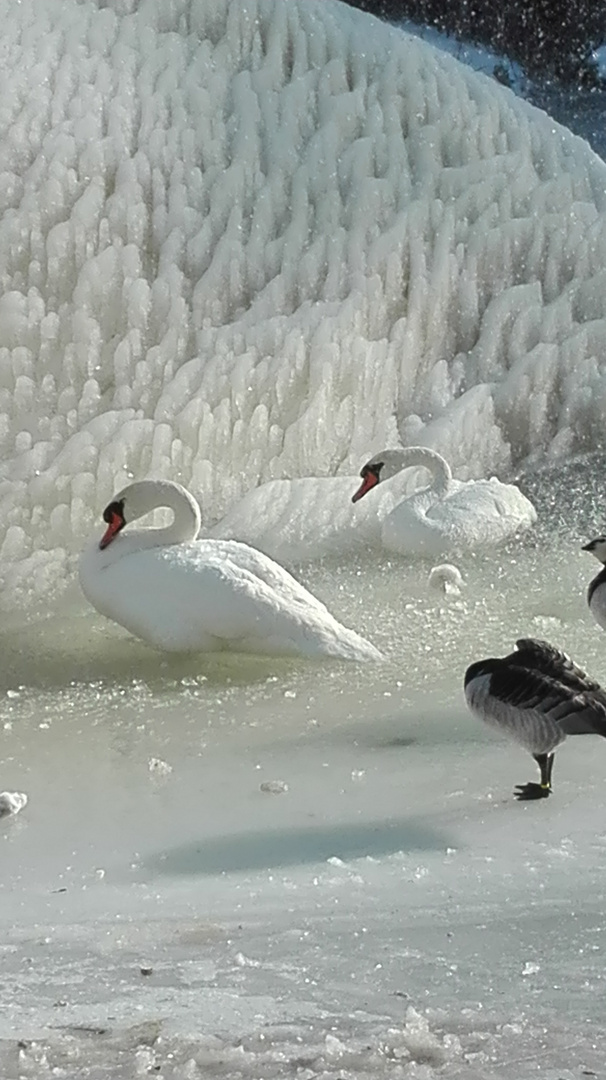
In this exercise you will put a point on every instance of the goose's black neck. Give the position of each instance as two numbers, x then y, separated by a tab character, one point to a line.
599	579
481	667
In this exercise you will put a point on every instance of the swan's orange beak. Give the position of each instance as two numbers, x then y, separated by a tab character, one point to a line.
369	480
116	522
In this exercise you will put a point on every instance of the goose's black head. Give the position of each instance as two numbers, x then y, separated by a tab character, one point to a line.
597	547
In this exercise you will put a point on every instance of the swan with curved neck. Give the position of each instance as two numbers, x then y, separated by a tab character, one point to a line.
449	514
187	595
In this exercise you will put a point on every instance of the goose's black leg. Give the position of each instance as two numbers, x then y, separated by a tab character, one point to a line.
542	790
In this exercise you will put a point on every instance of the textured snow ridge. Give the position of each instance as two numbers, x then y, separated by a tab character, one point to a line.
237	239
414	1050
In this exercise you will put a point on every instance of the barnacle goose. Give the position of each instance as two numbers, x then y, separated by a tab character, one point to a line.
538	696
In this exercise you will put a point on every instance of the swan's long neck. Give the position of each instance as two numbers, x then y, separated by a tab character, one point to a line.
148	495
186	522
411	456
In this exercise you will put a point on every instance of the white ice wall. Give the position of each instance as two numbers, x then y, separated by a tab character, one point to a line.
238	236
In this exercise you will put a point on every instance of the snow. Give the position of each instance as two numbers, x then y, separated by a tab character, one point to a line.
246	245
246	242
274	787
312	517
446	578
11	802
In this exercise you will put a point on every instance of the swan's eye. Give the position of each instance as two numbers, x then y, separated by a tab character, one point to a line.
115	509
372	470
371	474
113	515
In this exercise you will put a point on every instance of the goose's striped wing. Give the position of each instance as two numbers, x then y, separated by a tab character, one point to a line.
533	692
542	657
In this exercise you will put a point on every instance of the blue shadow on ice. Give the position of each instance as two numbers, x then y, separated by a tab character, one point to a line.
291	847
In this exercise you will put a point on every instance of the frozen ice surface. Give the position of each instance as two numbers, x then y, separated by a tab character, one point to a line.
244	242
395	916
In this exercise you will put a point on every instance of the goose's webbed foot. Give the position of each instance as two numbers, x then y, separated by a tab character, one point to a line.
532	791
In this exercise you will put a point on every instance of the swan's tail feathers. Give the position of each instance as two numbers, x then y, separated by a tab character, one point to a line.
357	648
338	642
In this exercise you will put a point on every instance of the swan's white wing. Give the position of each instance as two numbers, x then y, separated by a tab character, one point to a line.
254	567
488	501
473	514
481	513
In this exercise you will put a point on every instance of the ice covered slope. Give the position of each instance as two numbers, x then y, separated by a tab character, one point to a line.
239	237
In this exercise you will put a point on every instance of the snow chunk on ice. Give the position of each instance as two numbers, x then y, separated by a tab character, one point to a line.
11	802
446	578
158	767
274	787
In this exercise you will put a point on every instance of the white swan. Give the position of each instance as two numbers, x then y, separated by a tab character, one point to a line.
449	514
186	595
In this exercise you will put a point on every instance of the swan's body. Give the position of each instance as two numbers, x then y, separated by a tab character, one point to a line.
537	696
596	592
449	514
186	595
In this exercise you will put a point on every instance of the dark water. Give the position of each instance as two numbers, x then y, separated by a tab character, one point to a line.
582	111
